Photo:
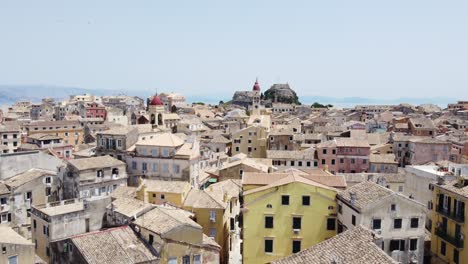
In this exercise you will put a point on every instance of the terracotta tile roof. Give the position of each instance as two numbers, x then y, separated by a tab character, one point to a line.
95	162
383	158
165	186
27	176
162	220
202	199
453	186
287	180
113	246
162	140
366	193
129	206
9	236
354	246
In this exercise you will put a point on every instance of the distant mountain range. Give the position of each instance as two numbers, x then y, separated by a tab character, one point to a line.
34	93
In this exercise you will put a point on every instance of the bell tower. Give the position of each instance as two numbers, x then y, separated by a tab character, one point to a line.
156	112
256	98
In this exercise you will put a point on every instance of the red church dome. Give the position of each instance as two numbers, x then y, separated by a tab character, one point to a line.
156	100
256	86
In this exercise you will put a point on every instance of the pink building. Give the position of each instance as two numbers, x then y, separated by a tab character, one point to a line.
344	155
95	110
420	150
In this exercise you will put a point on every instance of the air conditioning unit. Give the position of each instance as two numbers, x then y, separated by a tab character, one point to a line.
378	232
212	220
296	231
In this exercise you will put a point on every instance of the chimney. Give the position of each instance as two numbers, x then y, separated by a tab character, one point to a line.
352	196
440	180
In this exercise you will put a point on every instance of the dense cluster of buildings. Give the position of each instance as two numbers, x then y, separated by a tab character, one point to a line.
120	179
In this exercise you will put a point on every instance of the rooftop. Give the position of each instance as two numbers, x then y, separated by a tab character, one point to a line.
113	246
354	246
365	194
95	162
9	236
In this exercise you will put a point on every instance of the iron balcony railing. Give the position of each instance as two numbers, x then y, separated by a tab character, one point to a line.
455	241
456	216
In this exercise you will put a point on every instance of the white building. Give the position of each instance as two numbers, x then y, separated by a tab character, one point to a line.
398	219
165	157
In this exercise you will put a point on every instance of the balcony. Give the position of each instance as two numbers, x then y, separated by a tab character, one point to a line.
456	216
455	241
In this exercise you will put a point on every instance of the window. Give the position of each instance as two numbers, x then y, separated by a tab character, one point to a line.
331	224
150	239
308	163
3	200
324	151
34	224
332	162
186	260
144	166
154	152
333	151
296	223
268	245
414	222
48	251
162	196
48	180
296	246
172	260
397	223
397	244
306	200
341	160
376	224
285	199
353	161
165	168
268	221
48	191
456	256
212	232
400	188
155	167
353	220
393	207
413	244
119	143
134	165
299	163
292	163
176	168
212	215
13	260
443	248
340	209
197	259
323	161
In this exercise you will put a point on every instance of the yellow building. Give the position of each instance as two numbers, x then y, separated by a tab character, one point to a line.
70	130
286	216
176	237
448	218
210	213
250	141
160	192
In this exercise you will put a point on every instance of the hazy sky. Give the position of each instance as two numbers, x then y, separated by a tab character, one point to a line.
331	48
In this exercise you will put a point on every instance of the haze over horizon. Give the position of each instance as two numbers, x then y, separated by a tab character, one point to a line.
360	49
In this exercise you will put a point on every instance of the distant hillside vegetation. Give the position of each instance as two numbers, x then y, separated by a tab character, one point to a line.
281	93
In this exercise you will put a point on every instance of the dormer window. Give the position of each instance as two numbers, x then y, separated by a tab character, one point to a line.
100	173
